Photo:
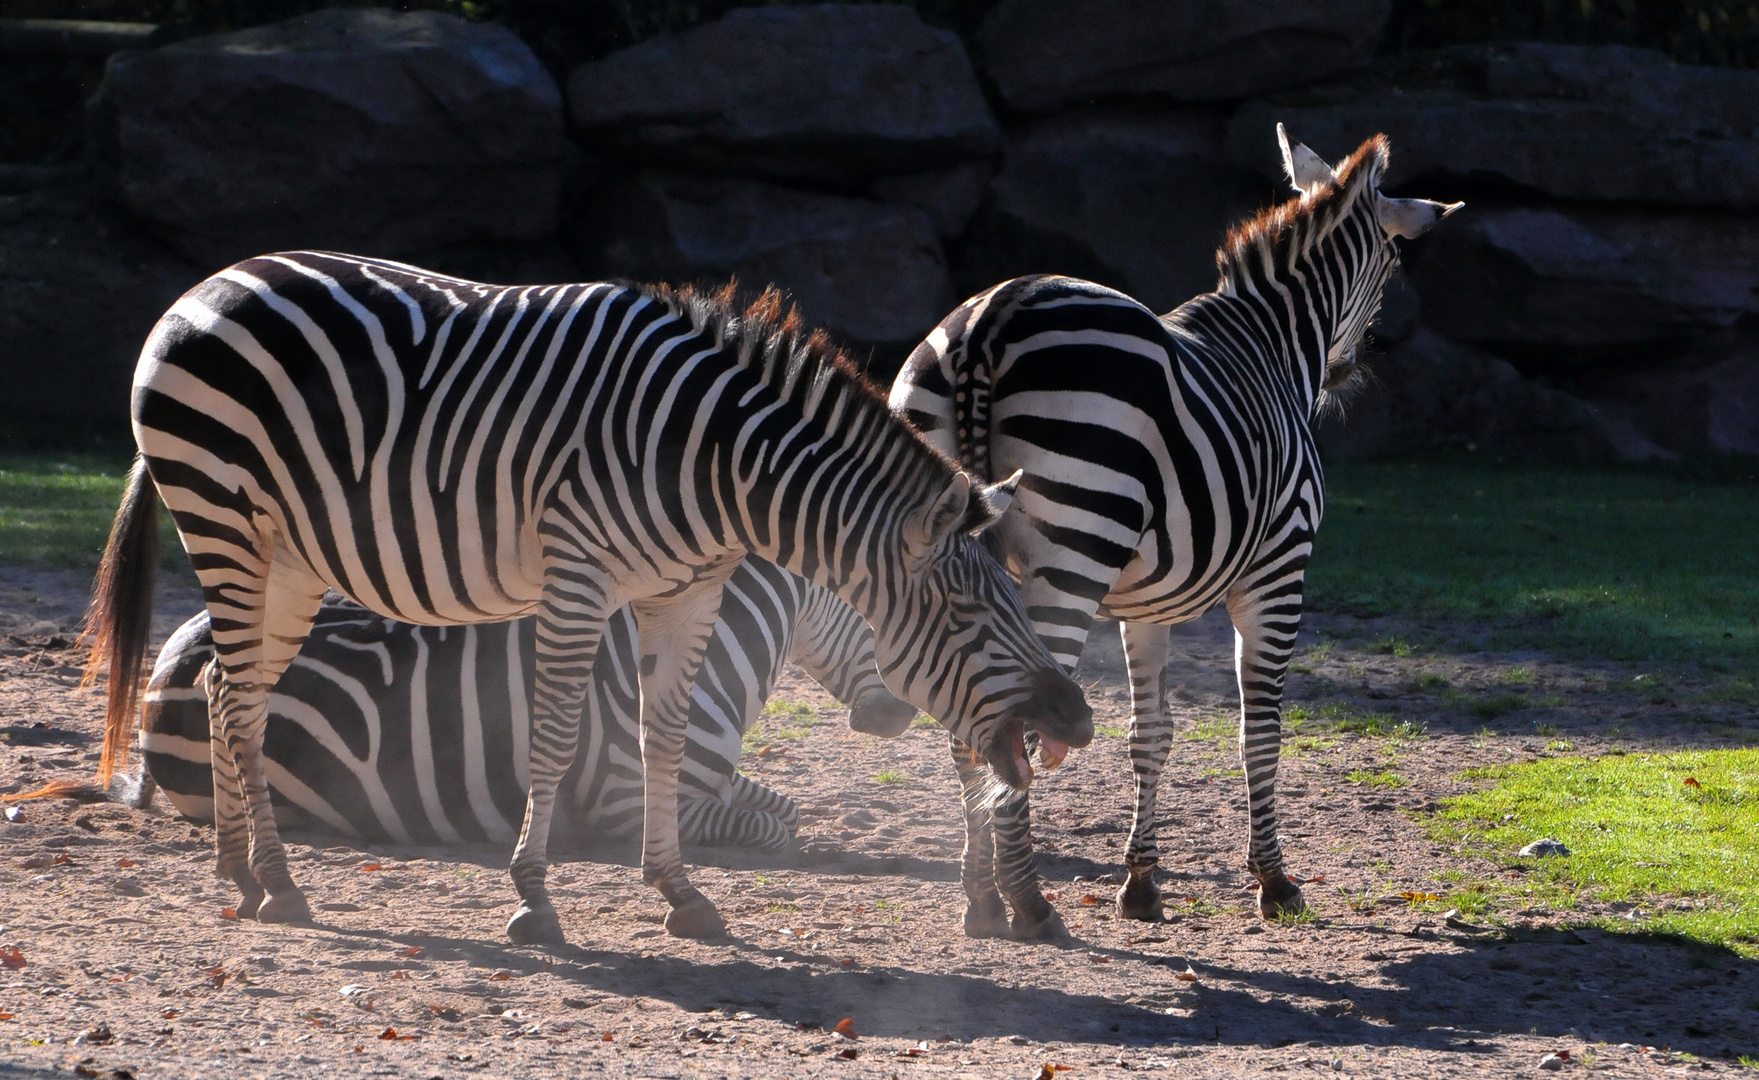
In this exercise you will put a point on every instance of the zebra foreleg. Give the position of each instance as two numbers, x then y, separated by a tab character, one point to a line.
1151	736
674	633
985	915
1264	639
1016	871
571	623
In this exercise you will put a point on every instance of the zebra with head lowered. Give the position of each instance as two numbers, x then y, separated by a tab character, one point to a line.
445	452
1169	465
389	731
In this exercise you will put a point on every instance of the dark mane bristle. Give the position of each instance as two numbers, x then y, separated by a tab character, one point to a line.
1273	228
771	325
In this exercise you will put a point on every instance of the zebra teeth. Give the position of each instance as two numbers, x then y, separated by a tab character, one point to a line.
1051	752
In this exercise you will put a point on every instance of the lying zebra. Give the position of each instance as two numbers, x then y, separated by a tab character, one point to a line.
388	731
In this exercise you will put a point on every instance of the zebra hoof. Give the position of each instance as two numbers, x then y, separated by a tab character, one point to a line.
1279	897
535	926
697	919
1139	899
986	923
1047	927
285	907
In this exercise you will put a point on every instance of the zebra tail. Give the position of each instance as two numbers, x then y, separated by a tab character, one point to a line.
120	618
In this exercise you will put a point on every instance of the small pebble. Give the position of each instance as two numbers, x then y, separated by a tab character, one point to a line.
1551	1063
1540	849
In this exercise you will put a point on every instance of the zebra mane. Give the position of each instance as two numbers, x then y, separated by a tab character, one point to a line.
801	364
1279	235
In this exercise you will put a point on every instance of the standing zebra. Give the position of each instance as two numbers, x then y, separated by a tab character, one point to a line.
444	452
414	734
1169	465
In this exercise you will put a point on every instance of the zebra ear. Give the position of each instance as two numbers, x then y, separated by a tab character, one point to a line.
938	521
1307	171
991	503
1411	218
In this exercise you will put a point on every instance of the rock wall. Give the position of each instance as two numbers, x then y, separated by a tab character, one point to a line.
1597	299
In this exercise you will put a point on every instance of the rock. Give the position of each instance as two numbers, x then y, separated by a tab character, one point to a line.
1136	202
948	196
1045	54
870	272
82	289
365	130
1574	285
1429	393
1707	406
1602	123
834	93
1540	849
1551	1063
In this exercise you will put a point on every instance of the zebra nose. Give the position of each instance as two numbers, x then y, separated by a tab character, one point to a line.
1060	709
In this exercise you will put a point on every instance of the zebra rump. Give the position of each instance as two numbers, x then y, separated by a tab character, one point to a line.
388	731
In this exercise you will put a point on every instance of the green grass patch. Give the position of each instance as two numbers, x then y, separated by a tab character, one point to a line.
1344	718
1219	726
1616	563
56	510
1683	854
1112	731
1382	778
890	776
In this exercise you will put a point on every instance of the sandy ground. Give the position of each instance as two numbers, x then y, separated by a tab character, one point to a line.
131	967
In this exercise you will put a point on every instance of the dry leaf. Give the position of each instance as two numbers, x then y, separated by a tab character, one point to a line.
1420	897
360	1049
1185	976
606	1037
413	950
11	956
123	864
846	1028
849	961
371	866
1098	959
1091	899
228	913
169	1014
1053	896
5	1016
1564	1054
1692	781
848	1053
388	1033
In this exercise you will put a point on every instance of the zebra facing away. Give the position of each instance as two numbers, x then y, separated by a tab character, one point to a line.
412	734
1169	465
444	452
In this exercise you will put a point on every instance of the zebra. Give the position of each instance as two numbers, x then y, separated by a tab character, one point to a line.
1169	466
388	731
445	452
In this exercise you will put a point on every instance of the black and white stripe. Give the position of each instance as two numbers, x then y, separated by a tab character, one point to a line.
1169	466
386	731
445	452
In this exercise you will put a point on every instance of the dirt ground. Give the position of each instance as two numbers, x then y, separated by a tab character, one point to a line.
132	969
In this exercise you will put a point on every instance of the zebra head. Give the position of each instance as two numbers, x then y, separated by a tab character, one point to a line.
1340	234
957	643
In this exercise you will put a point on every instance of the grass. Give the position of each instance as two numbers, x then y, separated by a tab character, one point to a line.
1346	719
1615	563
1683	857
890	776
56	511
1384	778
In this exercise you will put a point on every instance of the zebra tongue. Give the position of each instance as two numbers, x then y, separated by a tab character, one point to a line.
1051	752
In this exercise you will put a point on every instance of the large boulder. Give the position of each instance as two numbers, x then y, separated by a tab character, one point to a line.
1139	202
1428	394
363	130
838	93
1573	285
1706	405
83	287
1045	54
1605	123
871	272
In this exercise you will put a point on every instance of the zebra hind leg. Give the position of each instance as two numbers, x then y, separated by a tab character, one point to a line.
1151	737
985	914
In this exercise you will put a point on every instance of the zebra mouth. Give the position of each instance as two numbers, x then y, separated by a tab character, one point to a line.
1008	758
